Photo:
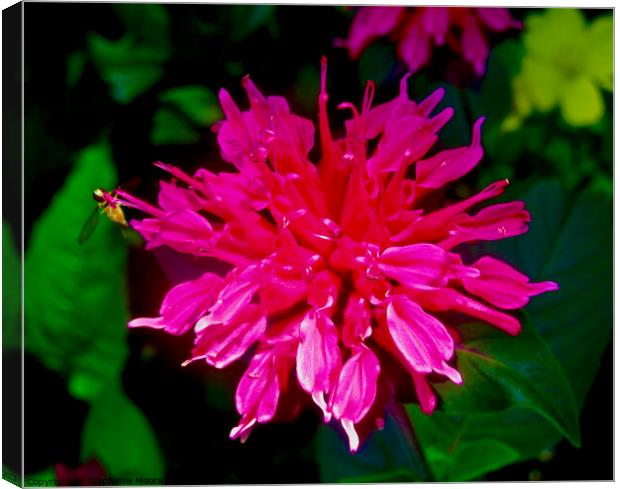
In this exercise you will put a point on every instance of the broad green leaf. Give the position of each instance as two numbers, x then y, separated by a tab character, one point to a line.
11	291
118	435
523	429
500	371
134	63
451	451
75	304
170	127
389	455
569	241
198	103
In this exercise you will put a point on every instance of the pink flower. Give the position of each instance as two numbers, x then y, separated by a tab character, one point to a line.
417	30
338	269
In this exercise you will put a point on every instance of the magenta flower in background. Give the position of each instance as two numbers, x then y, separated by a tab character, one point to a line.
342	272
418	30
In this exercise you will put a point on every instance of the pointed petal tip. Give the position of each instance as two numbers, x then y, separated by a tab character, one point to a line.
242	430
550	285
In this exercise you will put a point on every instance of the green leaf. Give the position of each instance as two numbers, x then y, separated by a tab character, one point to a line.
11	291
389	455
307	87
559	152
570	242
494	99
118	435
75	304
457	132
450	450
44	478
523	429
170	127
76	62
376	63
134	63
500	371
198	103
246	19
148	23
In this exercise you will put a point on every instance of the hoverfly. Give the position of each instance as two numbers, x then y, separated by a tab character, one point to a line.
106	204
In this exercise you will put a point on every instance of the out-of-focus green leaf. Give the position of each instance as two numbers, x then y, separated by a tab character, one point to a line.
506	152
128	69
457	132
118	435
246	19
170	127
76	62
75	303
307	87
11	291
148	23
389	455
44	478
560	153
602	183
234	68
134	63
197	102
184	108
376	63
500	371
450	450
494	99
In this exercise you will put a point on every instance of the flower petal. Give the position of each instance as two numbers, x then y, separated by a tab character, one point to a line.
502	285
357	385
421	338
222	344
184	305
451	164
318	355
417	264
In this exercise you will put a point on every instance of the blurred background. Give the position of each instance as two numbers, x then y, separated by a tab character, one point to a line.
111	88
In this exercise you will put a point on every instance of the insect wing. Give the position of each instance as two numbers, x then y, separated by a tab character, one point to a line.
89	226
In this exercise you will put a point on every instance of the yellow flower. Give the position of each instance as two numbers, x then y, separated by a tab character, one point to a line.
567	62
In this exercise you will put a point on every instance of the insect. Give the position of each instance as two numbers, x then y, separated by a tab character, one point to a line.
106	204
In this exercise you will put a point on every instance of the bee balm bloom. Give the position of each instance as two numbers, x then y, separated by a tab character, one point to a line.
340	270
417	30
